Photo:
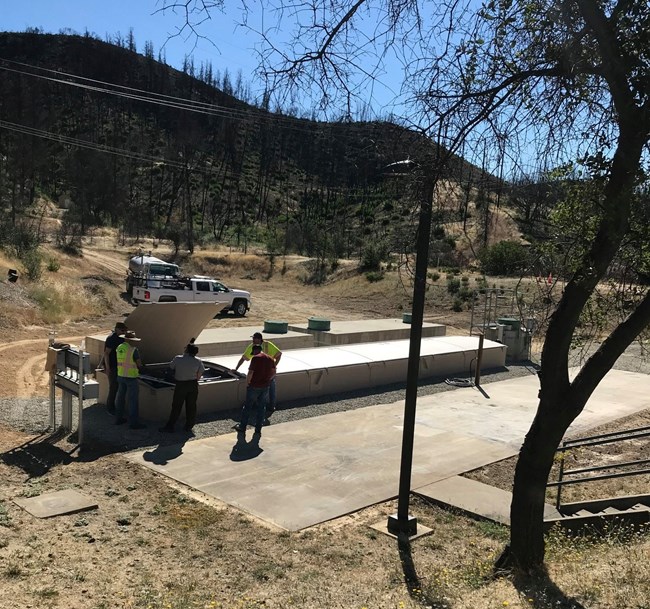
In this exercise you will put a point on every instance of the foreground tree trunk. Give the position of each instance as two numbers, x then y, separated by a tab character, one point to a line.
531	475
561	401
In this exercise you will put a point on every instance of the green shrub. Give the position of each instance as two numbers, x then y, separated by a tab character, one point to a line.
453	285
372	256
434	276
373	276
53	265
458	305
504	258
33	263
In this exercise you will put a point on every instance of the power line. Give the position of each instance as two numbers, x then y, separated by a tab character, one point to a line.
160	99
64	139
179	103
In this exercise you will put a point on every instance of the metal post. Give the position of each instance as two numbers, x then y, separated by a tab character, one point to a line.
81	393
51	337
479	357
402	522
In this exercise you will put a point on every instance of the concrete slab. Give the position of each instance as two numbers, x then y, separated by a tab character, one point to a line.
214	342
57	503
366	331
309	471
382	527
474	498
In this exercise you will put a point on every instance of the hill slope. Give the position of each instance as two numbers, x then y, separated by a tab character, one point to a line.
120	139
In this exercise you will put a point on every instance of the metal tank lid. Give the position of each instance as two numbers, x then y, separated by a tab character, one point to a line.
166	327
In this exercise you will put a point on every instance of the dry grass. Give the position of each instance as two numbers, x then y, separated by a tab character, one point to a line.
219	263
152	547
148	547
62	300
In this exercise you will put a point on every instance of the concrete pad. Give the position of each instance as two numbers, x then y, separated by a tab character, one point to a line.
56	503
309	471
214	342
476	498
382	527
366	331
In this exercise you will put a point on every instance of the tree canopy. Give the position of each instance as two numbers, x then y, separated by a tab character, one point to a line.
536	83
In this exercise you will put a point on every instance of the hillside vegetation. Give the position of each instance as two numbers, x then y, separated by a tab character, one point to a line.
113	138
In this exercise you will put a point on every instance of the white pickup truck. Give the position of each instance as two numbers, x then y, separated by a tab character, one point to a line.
196	289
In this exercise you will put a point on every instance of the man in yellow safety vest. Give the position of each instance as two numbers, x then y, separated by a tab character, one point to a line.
128	371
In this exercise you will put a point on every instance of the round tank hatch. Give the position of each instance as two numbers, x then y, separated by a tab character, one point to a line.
318	323
276	327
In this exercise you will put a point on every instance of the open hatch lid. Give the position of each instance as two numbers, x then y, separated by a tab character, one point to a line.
166	327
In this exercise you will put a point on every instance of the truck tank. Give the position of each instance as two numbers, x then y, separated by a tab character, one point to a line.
147	268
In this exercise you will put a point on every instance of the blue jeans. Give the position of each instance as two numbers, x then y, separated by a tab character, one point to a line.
127	391
271	404
256	399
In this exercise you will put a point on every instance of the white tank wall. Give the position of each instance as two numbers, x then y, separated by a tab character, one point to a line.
326	370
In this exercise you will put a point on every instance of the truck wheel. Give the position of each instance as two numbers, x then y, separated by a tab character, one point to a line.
240	307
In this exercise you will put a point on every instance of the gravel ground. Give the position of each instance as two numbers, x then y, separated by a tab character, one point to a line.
102	436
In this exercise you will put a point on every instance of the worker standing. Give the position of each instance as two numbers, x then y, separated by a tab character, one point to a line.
128	371
188	369
261	373
274	353
110	363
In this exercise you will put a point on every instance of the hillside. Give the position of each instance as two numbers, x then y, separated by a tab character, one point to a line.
119	139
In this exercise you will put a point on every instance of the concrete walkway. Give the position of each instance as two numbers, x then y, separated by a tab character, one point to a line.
312	470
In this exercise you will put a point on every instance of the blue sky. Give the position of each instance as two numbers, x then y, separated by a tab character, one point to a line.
233	46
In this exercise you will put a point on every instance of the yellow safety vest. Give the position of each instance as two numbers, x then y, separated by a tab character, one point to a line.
126	365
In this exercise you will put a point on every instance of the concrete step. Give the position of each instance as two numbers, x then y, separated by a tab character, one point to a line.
474	498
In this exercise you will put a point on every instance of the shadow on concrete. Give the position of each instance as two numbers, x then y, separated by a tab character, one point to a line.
540	592
412	579
244	451
164	453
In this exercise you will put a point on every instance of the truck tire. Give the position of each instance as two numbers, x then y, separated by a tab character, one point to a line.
167	299
240	307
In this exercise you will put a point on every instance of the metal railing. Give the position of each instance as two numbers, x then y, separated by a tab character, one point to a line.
608	438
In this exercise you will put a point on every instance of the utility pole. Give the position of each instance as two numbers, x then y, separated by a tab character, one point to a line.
402	523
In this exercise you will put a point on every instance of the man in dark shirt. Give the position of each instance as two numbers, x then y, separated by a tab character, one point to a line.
110	363
261	372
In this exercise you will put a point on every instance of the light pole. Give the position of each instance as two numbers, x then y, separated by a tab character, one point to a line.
402	523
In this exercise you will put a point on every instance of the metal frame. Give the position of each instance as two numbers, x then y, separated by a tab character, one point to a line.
608	438
69	375
490	308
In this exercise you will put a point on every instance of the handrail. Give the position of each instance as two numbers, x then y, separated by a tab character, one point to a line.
608	438
604	477
596	468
